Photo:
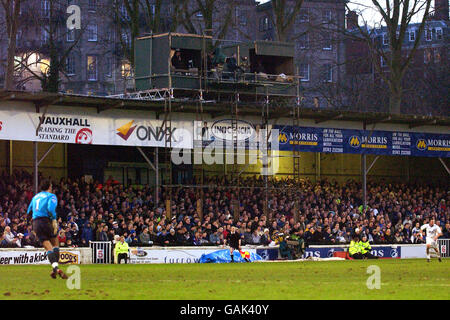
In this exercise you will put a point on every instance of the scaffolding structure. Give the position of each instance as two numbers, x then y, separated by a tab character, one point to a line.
238	89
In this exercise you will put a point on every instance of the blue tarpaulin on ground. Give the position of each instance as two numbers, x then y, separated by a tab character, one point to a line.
223	256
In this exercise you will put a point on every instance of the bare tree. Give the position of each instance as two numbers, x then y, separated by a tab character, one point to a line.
140	17
396	17
283	18
204	16
11	10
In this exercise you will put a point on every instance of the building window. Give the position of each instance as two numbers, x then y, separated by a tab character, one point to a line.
153	9
326	38
70	65
428	35
92	32
303	15
92	68
303	41
18	36
92	5
326	16
412	35
199	14
242	18
109	66
427	55
45	36
438	33
125	69
45	8
71	35
383	62
436	55
123	12
126	38
304	72
385	39
264	24
327	73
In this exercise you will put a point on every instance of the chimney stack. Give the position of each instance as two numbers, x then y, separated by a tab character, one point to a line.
352	20
441	10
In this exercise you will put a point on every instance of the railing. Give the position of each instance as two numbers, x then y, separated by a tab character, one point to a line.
219	75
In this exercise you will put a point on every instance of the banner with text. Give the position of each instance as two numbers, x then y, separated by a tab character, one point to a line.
79	126
171	255
329	140
37	257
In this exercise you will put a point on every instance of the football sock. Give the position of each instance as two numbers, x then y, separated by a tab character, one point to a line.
56	251
52	258
232	257
437	252
428	253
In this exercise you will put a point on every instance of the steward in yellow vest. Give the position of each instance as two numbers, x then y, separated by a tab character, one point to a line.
366	248
121	250
355	250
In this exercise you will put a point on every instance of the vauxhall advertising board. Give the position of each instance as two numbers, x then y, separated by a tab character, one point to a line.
330	140
72	125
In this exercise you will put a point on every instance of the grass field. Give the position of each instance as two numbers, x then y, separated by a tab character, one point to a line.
400	279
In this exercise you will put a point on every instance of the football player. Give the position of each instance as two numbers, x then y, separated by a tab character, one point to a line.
45	225
433	233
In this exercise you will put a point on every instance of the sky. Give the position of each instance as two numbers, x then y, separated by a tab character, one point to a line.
366	8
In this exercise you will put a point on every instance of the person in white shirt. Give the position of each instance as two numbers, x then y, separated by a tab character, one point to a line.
433	233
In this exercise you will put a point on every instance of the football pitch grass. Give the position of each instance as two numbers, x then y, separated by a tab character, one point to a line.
400	279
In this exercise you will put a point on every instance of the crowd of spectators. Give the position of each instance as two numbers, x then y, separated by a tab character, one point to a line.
320	213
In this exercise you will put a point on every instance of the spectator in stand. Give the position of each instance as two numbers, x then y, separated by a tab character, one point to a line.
88	210
144	238
103	236
214	238
265	238
8	235
446	231
407	233
62	238
256	238
398	237
171	238
417	236
389	237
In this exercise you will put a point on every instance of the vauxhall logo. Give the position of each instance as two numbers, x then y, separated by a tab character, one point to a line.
64	121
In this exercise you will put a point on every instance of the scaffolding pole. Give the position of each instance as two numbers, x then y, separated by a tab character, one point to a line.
444	165
35	169
10	158
364	174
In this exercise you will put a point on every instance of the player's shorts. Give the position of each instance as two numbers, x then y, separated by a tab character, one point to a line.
43	228
431	242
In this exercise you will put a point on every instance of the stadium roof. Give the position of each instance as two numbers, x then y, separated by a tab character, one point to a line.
41	99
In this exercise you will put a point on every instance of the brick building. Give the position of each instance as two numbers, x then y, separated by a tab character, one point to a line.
426	80
98	65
